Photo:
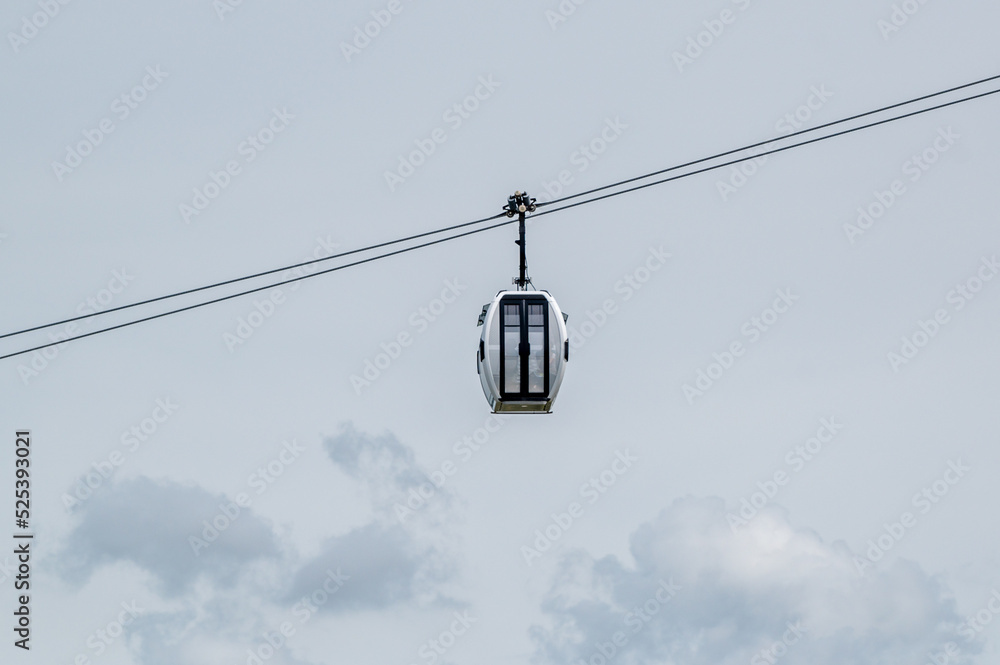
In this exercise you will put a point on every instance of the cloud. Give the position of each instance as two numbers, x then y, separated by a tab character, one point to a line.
149	523
389	560
241	587
381	565
223	629
771	586
384	466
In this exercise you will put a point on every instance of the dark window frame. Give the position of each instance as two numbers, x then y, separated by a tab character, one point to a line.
523	395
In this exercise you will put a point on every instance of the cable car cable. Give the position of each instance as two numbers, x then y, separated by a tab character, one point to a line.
442	240
771	140
256	290
247	277
486	219
764	154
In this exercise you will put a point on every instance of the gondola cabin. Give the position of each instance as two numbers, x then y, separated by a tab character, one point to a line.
523	352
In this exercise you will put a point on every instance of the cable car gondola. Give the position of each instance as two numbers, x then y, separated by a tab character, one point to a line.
524	347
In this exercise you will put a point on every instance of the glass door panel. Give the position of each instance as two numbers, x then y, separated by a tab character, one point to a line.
525	344
536	350
536	361
512	348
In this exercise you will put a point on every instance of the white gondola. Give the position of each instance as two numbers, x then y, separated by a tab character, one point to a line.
524	347
523	352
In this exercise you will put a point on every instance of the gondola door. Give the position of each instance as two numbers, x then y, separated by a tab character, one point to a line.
524	341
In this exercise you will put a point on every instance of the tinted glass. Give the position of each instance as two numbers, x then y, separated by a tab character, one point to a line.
536	315
512	315
536	360
511	360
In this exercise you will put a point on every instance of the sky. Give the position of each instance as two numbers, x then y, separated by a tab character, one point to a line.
777	434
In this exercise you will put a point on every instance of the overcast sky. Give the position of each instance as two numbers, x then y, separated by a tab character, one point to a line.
779	445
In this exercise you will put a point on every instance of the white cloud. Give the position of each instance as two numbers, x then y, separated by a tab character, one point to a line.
740	594
386	468
149	523
218	604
